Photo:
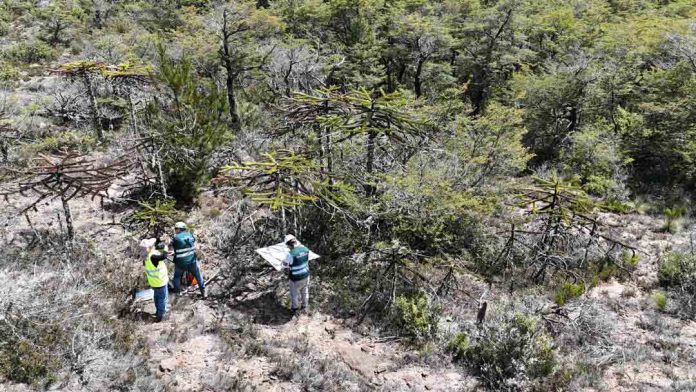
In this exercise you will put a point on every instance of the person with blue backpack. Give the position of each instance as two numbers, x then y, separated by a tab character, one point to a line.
184	245
297	262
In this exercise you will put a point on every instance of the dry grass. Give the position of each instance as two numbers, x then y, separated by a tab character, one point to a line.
59	324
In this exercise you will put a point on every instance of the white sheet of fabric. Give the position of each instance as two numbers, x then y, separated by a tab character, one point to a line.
275	254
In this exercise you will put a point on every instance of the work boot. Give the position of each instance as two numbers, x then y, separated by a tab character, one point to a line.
204	293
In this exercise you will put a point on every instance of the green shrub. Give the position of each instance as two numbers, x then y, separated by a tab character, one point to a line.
602	270
512	353
676	269
4	28
152	218
213	213
599	186
672	216
8	72
417	316
66	140
630	258
29	52
27	363
617	206
569	291
677	272
660	299
459	345
26	349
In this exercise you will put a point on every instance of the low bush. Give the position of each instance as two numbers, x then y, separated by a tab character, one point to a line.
672	216
630	259
569	291
29	52
676	269
459	345
152	218
660	299
47	338
65	140
8	72
512	353
27	349
417	316
677	273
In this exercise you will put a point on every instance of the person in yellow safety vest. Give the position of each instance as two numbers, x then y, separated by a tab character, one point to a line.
157	276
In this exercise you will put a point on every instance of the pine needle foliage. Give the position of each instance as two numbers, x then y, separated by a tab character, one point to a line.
187	124
283	179
152	218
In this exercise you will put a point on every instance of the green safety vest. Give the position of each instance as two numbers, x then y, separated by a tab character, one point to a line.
299	269
184	248
156	276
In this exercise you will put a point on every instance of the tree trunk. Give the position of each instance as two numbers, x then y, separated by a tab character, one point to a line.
231	98
229	70
4	151
417	83
329	159
94	109
478	93
68	218
369	161
325	143
98	19
133	123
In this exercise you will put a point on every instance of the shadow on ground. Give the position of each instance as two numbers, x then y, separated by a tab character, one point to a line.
265	309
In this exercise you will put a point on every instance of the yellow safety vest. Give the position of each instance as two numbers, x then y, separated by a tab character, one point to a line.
156	276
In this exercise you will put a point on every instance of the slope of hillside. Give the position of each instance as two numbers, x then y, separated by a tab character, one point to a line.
500	191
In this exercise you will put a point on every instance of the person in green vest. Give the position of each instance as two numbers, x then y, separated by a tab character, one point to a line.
157	275
297	261
185	260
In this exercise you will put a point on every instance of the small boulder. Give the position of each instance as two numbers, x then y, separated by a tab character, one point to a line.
168	364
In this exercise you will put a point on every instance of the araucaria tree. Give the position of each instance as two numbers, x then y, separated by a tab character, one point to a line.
65	176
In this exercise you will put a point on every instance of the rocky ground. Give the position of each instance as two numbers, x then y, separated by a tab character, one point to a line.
251	342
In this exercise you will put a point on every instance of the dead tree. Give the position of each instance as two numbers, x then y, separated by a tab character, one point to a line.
127	79
87	72
65	176
564	230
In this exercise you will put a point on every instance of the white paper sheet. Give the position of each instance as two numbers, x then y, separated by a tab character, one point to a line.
144	295
275	254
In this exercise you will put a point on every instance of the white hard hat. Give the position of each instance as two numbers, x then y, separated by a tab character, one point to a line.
289	237
147	243
180	225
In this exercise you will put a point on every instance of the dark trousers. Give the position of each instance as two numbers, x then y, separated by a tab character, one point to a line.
161	296
192	268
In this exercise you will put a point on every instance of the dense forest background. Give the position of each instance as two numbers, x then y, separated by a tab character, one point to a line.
470	170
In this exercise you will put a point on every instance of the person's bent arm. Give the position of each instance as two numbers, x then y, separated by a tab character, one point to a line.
156	258
288	261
